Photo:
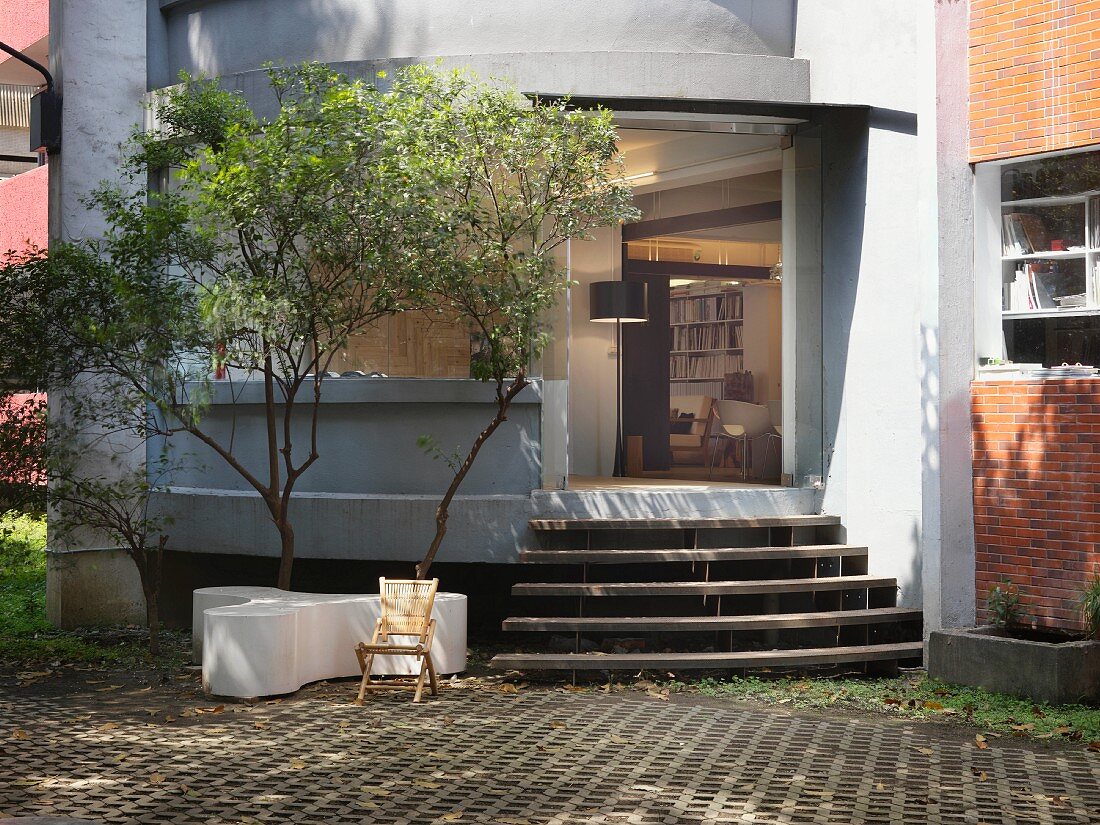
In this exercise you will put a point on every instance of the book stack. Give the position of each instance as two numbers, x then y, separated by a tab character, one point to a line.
686	309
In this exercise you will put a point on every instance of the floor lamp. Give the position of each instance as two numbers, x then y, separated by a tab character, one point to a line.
618	302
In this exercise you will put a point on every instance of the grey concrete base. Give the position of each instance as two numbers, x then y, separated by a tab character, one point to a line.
984	657
92	587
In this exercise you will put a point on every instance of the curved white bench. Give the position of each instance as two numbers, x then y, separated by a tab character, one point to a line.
262	641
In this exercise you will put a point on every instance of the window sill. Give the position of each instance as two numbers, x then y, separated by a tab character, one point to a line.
380	391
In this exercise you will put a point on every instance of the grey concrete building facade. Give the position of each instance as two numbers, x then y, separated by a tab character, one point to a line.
877	328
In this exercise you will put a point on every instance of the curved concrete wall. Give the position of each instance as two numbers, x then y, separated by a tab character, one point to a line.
227	36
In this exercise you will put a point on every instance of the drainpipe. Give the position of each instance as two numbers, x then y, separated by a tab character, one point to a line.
45	133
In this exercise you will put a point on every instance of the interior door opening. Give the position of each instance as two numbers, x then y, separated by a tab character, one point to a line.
702	390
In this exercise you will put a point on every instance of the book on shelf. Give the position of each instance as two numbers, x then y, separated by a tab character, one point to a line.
705	366
1028	291
719	336
688	309
1023	234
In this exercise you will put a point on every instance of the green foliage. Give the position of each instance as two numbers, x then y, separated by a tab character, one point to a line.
516	180
1090	607
22	576
1003	604
917	696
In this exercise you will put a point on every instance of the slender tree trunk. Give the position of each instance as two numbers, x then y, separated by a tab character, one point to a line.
286	558
152	618
504	401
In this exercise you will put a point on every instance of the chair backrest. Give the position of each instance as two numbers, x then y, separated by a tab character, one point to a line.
407	604
699	406
753	417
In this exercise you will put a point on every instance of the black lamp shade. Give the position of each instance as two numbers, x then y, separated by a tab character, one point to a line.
610	301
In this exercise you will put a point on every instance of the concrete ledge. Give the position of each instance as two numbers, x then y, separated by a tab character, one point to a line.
382	391
676	502
984	657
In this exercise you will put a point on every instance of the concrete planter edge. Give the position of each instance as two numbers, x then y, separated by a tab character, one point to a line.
983	657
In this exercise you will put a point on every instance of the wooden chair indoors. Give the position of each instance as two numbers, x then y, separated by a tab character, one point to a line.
406	611
691	418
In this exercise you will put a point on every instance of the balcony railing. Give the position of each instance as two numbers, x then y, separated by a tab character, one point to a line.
15	105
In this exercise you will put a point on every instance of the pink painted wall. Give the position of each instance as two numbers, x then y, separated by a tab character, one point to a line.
23	211
23	22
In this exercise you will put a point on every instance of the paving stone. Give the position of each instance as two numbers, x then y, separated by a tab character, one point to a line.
538	758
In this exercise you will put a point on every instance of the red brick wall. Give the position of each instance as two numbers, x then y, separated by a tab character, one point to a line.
1037	492
23	211
1034	76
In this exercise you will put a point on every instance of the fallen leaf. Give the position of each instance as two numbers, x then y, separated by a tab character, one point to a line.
156	778
1028	726
979	740
453	815
545	749
18	733
1061	730
929	705
448	720
297	764
508	687
880	787
926	751
108	726
619	740
259	725
558	725
890	700
1037	711
1094	746
374	791
424	783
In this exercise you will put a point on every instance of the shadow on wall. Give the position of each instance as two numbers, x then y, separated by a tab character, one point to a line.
322	30
1036	508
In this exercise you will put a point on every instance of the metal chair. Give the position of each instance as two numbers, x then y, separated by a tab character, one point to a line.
740	422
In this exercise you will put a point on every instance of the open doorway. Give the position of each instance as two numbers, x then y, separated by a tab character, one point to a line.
702	392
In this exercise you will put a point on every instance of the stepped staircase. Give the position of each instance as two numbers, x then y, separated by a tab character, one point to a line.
708	594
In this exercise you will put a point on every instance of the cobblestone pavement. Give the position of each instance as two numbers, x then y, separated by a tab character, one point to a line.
533	756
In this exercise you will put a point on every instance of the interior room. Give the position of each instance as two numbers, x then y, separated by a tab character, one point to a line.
701	372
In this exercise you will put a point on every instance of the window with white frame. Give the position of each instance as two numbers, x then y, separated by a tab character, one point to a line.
1050	259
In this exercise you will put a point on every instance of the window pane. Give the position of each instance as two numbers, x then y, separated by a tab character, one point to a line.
1044	284
1050	177
1029	229
1053	341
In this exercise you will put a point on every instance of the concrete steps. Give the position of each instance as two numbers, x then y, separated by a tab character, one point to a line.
707	594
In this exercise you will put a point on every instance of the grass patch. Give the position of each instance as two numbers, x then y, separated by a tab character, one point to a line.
917	696
25	634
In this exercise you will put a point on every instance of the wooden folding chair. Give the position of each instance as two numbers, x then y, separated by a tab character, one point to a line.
406	611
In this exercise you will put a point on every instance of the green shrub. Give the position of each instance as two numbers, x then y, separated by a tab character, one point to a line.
1003	604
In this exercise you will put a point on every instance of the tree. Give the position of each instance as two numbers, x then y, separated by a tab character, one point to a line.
518	179
263	248
115	505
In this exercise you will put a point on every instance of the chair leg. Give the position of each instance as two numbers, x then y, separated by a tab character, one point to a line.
431	674
365	664
420	680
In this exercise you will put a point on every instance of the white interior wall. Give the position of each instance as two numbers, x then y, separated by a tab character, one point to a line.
592	359
763	341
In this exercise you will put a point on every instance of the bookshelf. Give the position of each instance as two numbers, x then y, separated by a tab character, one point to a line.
706	338
1050	255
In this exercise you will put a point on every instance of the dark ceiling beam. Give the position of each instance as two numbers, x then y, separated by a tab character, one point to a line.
687	269
715	219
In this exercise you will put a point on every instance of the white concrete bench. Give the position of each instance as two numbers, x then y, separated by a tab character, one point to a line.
262	641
